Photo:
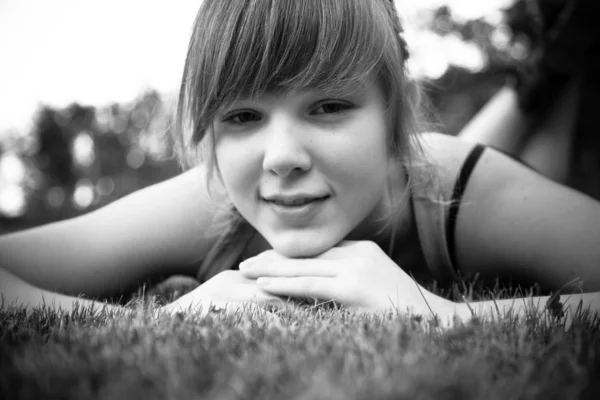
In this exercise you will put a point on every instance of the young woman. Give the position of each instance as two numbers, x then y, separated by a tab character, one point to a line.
299	123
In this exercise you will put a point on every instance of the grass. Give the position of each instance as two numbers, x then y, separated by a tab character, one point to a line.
300	352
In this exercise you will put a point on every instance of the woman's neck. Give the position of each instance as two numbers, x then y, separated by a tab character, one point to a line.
390	222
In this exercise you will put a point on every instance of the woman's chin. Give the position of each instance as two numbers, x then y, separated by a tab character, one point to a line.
300	248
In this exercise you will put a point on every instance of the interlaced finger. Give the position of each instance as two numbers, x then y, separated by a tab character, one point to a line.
322	288
290	268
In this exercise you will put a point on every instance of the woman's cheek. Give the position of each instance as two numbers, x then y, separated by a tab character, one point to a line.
239	167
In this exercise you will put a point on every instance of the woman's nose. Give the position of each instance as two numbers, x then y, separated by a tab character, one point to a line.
285	151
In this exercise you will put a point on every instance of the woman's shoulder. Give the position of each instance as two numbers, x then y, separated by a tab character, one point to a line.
447	151
445	155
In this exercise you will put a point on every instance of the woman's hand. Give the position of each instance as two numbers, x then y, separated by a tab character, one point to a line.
356	274
228	290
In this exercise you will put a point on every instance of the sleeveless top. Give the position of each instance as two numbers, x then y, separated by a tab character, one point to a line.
435	212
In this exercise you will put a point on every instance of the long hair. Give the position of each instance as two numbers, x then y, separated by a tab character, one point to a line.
244	48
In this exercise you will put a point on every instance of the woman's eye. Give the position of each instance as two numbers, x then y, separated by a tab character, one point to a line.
242	117
332	108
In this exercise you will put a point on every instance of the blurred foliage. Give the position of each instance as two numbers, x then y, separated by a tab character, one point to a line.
80	158
460	92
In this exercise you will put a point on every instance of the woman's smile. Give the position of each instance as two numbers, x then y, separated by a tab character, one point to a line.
305	168
297	210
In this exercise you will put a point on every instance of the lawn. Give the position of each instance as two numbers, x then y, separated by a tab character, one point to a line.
298	352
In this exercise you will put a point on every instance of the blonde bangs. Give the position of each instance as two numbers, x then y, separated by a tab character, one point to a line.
286	45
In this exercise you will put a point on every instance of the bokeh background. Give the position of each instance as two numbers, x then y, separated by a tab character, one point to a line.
87	89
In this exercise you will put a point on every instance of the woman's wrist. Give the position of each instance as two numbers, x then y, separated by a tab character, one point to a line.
440	311
182	304
449	313
187	303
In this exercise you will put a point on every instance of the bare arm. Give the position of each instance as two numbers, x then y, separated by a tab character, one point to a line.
573	306
513	221
155	231
16	292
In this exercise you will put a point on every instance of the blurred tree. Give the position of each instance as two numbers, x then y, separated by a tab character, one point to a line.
565	39
461	91
53	156
82	158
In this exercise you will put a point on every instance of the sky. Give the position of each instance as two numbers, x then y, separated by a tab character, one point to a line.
99	51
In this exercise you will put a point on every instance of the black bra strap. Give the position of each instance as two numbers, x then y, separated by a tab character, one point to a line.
459	188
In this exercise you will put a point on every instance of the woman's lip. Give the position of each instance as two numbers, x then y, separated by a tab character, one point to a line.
297	197
297	213
279	200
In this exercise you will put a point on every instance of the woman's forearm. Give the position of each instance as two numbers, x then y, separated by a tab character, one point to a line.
570	306
16	292
69	256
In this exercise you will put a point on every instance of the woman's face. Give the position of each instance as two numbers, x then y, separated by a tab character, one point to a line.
306	169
